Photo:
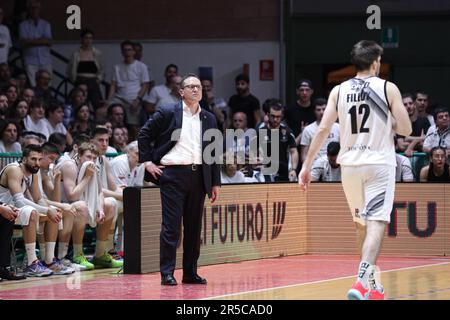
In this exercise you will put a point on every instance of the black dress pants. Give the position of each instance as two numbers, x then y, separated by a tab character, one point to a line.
6	233
182	198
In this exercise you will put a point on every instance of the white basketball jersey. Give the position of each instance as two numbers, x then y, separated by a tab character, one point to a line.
365	123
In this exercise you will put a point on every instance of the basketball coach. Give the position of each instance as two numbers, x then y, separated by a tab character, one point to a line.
171	148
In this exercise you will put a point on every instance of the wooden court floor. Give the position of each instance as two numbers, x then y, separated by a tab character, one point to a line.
305	277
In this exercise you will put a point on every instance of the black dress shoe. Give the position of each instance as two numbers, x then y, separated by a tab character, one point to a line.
8	274
194	279
168	280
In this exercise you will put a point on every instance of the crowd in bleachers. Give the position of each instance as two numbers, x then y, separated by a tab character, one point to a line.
63	181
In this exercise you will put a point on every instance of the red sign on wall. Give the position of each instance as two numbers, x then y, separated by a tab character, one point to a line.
266	70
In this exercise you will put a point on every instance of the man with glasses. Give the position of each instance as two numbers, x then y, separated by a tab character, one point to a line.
287	148
36	39
184	176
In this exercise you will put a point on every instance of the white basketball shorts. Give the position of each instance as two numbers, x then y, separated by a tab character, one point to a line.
369	190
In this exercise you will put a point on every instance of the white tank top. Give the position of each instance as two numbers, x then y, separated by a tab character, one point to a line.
365	123
5	194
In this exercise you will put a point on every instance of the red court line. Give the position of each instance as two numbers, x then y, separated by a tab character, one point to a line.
223	279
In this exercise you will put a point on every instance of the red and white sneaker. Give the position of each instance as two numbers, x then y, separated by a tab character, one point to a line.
376	294
357	292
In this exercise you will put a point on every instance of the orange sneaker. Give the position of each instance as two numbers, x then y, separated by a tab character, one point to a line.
357	292
376	294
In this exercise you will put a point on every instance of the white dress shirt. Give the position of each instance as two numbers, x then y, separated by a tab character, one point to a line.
188	149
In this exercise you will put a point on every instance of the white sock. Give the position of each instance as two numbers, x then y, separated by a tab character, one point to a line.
374	279
77	249
42	250
49	252
100	248
63	247
365	269
31	252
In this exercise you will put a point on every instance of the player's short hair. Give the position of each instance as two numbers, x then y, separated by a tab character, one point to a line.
50	148
319	102
364	53
87	146
31	148
333	148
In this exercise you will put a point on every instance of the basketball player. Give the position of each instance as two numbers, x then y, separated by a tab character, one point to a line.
370	110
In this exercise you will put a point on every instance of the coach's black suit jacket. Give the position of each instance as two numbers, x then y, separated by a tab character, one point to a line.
155	140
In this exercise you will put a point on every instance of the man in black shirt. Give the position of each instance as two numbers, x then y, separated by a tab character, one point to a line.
302	113
286	144
420	127
245	102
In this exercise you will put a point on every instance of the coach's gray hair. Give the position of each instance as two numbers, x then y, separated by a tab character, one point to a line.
131	146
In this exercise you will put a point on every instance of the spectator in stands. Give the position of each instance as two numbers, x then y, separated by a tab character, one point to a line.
437	170
35	121
21	82
3	103
76	100
421	102
126	137
111	191
101	113
216	106
241	142
439	134
174	96
9	133
16	181
160	91
54	119
5	39
8	214
82	123
86	66
129	84
59	140
118	139
310	130
138	55
302	113
420	127
5	76
27	138
42	89
36	39
11	94
403	171
326	168
287	165
230	174
126	169
28	95
19	112
245	102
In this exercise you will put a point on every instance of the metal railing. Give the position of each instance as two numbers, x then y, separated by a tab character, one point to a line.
64	85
